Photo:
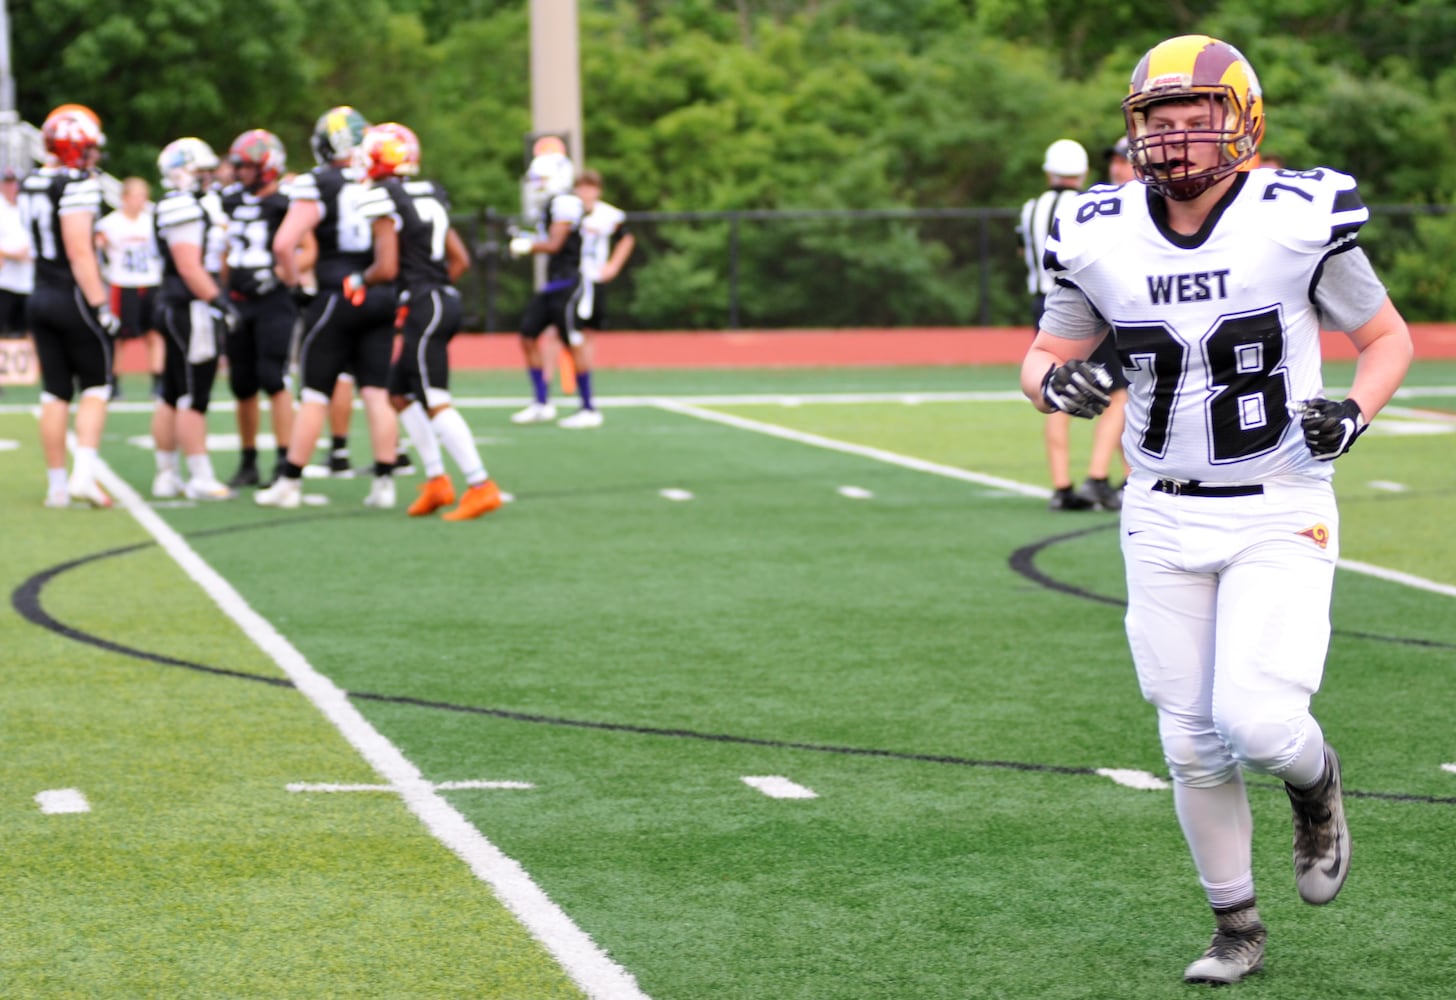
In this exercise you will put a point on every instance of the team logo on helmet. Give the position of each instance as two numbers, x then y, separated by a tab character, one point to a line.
1319	534
260	149
390	150
73	136
337	134
184	162
1191	69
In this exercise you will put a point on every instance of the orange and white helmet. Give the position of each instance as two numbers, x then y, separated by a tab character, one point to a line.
1193	68
262	149
73	136
390	150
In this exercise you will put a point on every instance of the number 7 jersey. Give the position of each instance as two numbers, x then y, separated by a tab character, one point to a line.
1217	331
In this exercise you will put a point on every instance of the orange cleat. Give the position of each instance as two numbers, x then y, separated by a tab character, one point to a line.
477	500
434	494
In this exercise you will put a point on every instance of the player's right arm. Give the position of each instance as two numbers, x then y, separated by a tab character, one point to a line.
302	217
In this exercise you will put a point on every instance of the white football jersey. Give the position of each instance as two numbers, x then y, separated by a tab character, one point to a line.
596	237
1218	331
130	258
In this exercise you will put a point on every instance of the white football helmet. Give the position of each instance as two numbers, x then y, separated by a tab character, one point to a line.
550	174
184	161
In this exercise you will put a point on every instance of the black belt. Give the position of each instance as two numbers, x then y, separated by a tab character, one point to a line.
1193	488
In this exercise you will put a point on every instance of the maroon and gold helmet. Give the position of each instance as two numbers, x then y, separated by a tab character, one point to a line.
1193	68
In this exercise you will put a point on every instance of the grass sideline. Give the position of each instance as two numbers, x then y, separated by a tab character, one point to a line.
633	658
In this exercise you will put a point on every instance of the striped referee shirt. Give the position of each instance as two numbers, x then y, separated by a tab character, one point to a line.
1036	221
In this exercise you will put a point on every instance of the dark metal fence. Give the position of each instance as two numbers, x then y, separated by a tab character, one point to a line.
817	269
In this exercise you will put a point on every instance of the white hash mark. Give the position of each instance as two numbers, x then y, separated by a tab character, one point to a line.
777	787
1133	778
62	800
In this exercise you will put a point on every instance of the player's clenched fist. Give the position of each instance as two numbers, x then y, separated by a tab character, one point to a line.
1080	388
1330	426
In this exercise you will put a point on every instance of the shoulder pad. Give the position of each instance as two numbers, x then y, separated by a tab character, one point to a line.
1309	209
566	208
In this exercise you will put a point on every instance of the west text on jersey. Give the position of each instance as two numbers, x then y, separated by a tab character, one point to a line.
1198	286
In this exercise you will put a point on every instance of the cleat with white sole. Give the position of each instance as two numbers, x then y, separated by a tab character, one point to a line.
167	486
1237	949
285	493
1321	835
207	489
581	419
381	494
89	491
58	500
536	413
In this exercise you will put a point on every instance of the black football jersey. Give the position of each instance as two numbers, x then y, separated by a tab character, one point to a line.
252	224
422	211
45	196
345	242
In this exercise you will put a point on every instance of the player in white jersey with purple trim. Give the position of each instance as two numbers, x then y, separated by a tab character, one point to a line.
1214	279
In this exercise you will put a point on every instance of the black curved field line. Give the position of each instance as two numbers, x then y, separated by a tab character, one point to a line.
1023	562
26	599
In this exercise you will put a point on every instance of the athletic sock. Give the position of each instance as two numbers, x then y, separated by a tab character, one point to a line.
1218	828
166	461
538	384
340	445
84	467
454	434
583	383
200	467
56	480
287	470
385	469
416	423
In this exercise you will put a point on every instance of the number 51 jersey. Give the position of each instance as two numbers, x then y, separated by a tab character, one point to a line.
1218	331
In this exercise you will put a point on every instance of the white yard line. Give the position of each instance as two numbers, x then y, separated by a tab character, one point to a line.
587	965
951	472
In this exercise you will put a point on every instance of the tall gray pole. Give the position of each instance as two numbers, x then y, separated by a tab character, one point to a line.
556	73
7	82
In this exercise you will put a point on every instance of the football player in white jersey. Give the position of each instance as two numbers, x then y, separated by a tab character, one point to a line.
1213	278
132	266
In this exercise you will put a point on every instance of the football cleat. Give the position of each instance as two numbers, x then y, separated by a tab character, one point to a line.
1234	953
167	485
1065	499
581	419
1321	835
434	494
478	500
247	475
207	489
1101	494
89	491
286	493
381	493
58	499
536	413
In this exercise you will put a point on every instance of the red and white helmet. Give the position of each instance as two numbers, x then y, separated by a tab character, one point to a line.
390	150
73	136
261	149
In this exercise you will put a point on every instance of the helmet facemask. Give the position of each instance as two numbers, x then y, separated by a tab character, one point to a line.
1164	159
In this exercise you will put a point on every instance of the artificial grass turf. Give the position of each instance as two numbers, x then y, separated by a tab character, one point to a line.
773	609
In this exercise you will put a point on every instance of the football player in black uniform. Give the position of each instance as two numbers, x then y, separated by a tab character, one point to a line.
337	333
68	312
258	349
416	249
194	313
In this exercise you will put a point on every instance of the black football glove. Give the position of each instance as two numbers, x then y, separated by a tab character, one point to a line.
1330	426
1080	388
224	313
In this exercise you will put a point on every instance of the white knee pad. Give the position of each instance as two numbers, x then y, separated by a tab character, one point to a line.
1264	743
1195	753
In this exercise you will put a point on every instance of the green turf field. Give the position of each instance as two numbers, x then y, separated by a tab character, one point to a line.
344	753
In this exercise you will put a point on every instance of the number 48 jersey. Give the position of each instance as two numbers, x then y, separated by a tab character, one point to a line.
1217	331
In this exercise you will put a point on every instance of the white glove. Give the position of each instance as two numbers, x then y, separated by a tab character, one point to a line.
520	246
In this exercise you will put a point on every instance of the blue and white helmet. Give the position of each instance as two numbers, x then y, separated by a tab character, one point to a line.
183	161
550	174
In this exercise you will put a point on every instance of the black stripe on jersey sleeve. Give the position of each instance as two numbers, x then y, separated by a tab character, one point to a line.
1348	200
1049	259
